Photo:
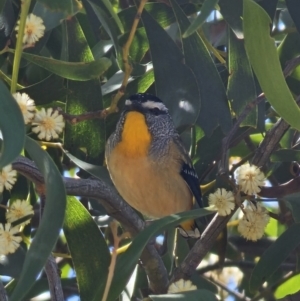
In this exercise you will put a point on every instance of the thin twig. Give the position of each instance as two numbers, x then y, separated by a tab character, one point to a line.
52	272
240	264
112	266
74	119
237	295
201	247
125	57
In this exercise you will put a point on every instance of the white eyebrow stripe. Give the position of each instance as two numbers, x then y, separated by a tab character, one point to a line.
128	102
150	104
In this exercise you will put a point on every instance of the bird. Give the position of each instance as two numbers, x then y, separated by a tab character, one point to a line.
149	165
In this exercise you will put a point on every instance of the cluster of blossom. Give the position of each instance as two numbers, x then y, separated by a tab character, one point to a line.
249	179
47	124
18	209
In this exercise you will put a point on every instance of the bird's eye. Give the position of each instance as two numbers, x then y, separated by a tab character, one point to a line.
156	111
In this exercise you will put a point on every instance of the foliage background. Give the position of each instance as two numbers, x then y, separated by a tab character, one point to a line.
206	73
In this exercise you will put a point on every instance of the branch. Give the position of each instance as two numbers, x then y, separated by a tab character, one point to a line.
278	192
201	247
3	296
240	264
53	276
115	207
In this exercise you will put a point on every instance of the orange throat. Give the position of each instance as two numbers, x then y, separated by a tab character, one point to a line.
136	139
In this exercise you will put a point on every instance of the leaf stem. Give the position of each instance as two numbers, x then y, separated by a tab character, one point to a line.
25	4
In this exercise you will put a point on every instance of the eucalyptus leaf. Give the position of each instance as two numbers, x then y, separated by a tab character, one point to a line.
79	71
207	7
263	57
50	225
274	256
12	127
90	253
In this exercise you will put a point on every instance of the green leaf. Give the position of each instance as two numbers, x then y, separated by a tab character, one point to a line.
196	295
263	57
12	265
68	7
53	17
50	225
232	12
80	71
110	29
175	82
99	172
126	262
12	127
109	7
214	104
289	287
84	237
274	256
285	155
86	137
207	7
241	86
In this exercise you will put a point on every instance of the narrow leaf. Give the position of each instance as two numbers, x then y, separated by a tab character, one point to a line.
274	256
99	172
207	7
90	253
50	225
81	71
12	127
241	86
263	57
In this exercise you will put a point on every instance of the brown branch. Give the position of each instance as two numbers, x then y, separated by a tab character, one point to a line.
242	265
115	207
74	119
53	276
201	247
278	192
291	65
3	295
